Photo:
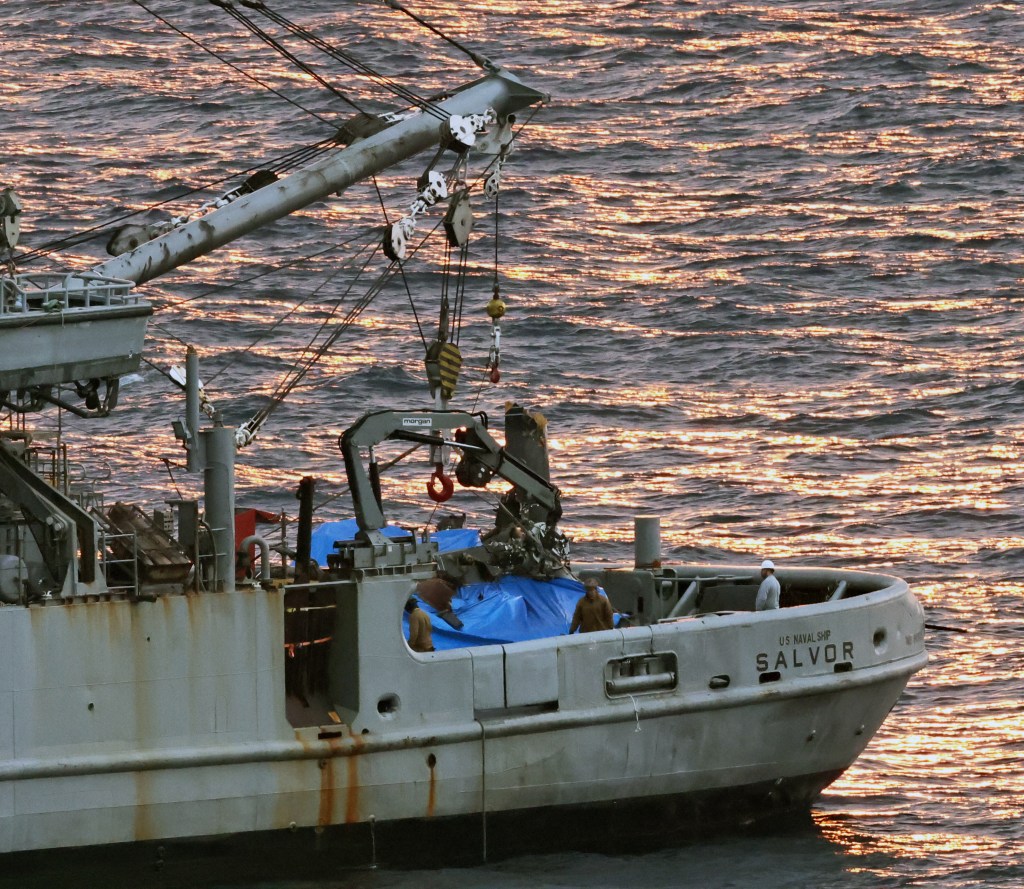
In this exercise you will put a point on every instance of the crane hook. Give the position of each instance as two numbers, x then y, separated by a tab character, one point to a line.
440	487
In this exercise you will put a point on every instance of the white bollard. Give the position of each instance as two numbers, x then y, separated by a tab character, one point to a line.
647	541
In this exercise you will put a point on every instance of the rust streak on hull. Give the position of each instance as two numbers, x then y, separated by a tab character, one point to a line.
432	791
325	815
323	818
352	796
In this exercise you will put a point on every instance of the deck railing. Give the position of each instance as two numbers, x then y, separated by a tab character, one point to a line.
119	556
48	292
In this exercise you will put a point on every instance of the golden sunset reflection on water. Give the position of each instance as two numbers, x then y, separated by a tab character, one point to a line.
762	270
959	745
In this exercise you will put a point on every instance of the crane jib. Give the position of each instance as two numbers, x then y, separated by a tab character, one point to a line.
501	92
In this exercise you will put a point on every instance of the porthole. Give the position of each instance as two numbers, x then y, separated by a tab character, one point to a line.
388	706
880	640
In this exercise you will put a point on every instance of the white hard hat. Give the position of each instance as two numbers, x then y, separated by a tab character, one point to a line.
768	563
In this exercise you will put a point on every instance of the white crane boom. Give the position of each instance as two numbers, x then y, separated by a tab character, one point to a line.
502	92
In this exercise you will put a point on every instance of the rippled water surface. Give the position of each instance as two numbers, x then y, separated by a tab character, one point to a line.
763	266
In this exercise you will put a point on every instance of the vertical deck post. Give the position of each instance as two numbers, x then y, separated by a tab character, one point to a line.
219	489
647	541
194	459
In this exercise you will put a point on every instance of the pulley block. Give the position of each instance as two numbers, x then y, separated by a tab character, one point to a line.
492	184
458	221
433	187
396	239
458	133
128	237
450	361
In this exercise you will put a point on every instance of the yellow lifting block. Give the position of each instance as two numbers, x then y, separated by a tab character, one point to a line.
450	360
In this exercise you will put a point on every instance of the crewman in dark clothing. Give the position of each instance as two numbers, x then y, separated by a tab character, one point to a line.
420	638
593	610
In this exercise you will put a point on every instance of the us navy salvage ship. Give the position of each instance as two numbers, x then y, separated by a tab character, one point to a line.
153	694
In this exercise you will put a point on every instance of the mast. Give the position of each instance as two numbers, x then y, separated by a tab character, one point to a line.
501	92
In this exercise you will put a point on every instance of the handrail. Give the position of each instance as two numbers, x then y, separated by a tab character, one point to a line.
46	292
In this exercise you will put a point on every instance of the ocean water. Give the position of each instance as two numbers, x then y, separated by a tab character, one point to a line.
764	275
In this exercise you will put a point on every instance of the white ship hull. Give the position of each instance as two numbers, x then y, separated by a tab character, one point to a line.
155	721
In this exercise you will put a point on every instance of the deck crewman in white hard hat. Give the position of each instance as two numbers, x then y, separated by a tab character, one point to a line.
768	592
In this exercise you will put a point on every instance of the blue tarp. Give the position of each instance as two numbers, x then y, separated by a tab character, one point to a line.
513	609
510	610
323	538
